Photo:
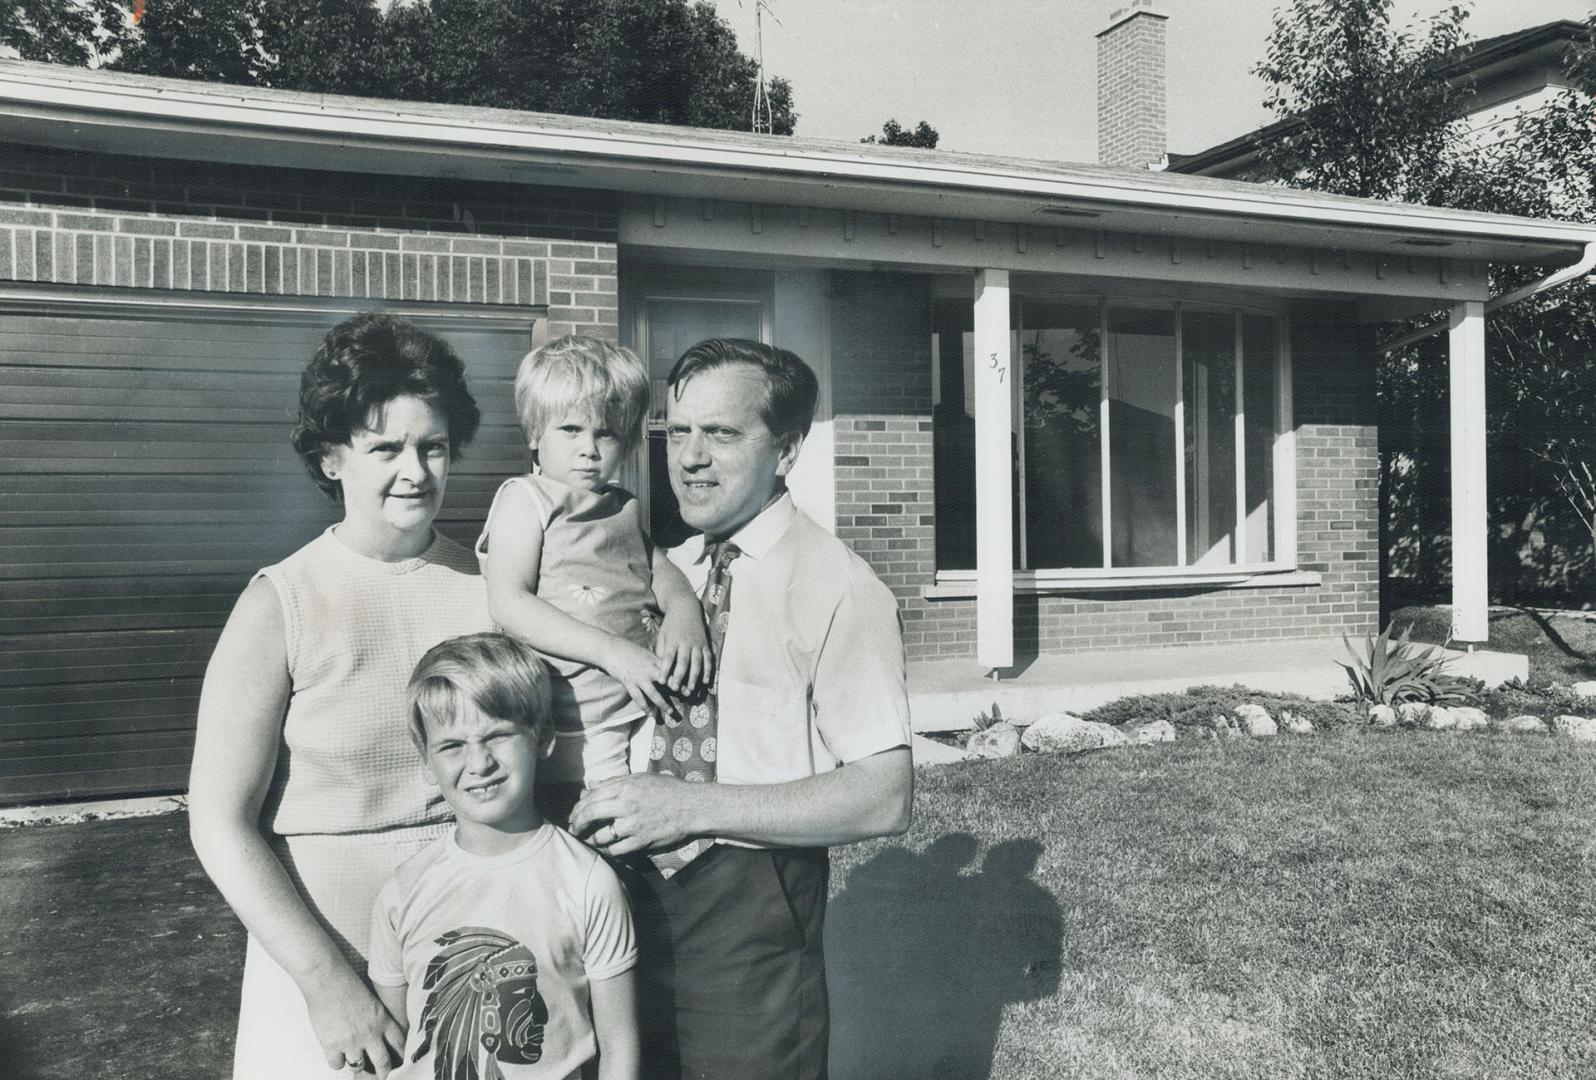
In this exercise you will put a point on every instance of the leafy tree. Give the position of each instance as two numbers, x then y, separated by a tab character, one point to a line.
1370	112
661	61
1367	116
895	134
60	31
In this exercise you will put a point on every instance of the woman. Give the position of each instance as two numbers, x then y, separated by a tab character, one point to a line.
305	792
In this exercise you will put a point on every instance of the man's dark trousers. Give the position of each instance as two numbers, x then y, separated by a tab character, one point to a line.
731	972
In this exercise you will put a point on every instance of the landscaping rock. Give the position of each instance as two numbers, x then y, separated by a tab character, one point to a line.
1439	718
1468	718
1412	713
1001	740
1227	727
1578	728
1382	716
1063	733
1255	720
1141	732
1585	689
1295	723
1524	723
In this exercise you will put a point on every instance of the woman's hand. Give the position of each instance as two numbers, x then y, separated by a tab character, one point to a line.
684	646
353	1027
641	673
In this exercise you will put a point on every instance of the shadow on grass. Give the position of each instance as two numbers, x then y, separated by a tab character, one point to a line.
1587	660
922	955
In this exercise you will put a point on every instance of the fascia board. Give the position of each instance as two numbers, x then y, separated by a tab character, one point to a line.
642	158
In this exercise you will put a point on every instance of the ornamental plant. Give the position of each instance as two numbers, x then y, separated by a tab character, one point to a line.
1388	672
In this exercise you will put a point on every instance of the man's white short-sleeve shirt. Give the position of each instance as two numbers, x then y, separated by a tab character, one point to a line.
811	672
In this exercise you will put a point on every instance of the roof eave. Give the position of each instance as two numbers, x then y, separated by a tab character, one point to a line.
174	118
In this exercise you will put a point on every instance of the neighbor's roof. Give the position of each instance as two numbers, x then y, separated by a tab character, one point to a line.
77	108
1479	63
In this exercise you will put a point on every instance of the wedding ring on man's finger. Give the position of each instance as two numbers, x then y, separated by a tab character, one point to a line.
356	1062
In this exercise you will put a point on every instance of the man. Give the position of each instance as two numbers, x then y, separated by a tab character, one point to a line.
804	742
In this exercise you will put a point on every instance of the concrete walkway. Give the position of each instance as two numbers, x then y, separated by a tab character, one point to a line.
944	695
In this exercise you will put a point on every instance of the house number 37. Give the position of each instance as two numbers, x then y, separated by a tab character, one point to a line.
998	366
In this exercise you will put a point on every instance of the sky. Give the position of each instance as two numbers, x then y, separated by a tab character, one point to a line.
1018	77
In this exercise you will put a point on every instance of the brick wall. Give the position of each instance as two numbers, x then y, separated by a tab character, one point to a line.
78	218
1131	121
881	368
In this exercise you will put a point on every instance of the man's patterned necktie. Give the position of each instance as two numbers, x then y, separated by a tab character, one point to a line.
685	745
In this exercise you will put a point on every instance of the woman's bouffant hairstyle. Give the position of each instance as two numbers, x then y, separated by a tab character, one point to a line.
499	674
579	375
364	363
791	389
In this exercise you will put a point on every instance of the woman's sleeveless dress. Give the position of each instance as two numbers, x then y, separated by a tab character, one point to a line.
349	800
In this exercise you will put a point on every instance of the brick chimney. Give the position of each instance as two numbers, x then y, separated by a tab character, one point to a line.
1131	125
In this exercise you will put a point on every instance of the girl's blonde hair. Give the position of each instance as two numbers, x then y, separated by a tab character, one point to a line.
579	375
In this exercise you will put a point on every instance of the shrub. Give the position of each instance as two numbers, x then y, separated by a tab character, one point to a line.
1392	672
1196	707
1550	699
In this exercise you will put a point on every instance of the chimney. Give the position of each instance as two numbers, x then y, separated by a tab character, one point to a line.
1131	126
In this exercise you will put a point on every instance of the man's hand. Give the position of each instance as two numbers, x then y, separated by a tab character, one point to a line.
640	812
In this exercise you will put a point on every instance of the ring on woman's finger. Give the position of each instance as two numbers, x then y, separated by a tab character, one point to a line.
355	1061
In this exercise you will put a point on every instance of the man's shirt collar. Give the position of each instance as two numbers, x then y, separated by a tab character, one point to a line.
757	537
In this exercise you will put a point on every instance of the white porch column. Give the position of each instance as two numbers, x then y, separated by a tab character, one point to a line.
1466	363
994	508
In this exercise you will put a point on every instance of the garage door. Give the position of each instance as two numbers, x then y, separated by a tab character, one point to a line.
147	475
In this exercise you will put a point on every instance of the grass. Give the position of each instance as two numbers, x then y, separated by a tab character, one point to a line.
1561	648
1357	904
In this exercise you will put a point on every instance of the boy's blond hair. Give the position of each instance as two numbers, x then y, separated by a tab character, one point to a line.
580	375
499	674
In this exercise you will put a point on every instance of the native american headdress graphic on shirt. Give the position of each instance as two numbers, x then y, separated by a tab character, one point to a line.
483	1006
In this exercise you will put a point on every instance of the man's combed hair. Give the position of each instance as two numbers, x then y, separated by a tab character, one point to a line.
498	674
791	387
364	363
583	376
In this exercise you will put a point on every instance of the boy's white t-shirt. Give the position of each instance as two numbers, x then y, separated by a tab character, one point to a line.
497	952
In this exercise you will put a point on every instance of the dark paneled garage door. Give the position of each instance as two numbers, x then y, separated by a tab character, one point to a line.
146	475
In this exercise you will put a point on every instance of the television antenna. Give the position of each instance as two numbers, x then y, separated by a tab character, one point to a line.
762	119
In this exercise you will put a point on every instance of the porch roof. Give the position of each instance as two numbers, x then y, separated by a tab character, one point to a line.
76	108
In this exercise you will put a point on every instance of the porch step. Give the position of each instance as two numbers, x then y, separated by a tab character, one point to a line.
945	695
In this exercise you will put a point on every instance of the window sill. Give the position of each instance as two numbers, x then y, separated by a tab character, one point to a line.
960	584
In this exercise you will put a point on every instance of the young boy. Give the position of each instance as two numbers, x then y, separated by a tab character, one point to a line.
505	946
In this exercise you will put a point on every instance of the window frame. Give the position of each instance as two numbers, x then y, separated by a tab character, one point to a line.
1281	569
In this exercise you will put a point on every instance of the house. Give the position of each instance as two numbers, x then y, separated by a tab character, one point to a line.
1064	408
1539	552
1507	76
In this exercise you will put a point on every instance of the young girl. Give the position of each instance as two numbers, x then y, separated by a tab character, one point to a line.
570	571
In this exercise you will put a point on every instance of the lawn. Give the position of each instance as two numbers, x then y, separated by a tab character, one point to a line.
1560	647
1355	904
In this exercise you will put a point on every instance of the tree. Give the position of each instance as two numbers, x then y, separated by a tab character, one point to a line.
1366	114
60	31
661	61
894	134
1369	110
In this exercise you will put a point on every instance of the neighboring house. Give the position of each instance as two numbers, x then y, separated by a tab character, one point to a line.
1065	408
1508	76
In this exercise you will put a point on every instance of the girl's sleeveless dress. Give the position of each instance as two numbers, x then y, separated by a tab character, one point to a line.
596	567
349	800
